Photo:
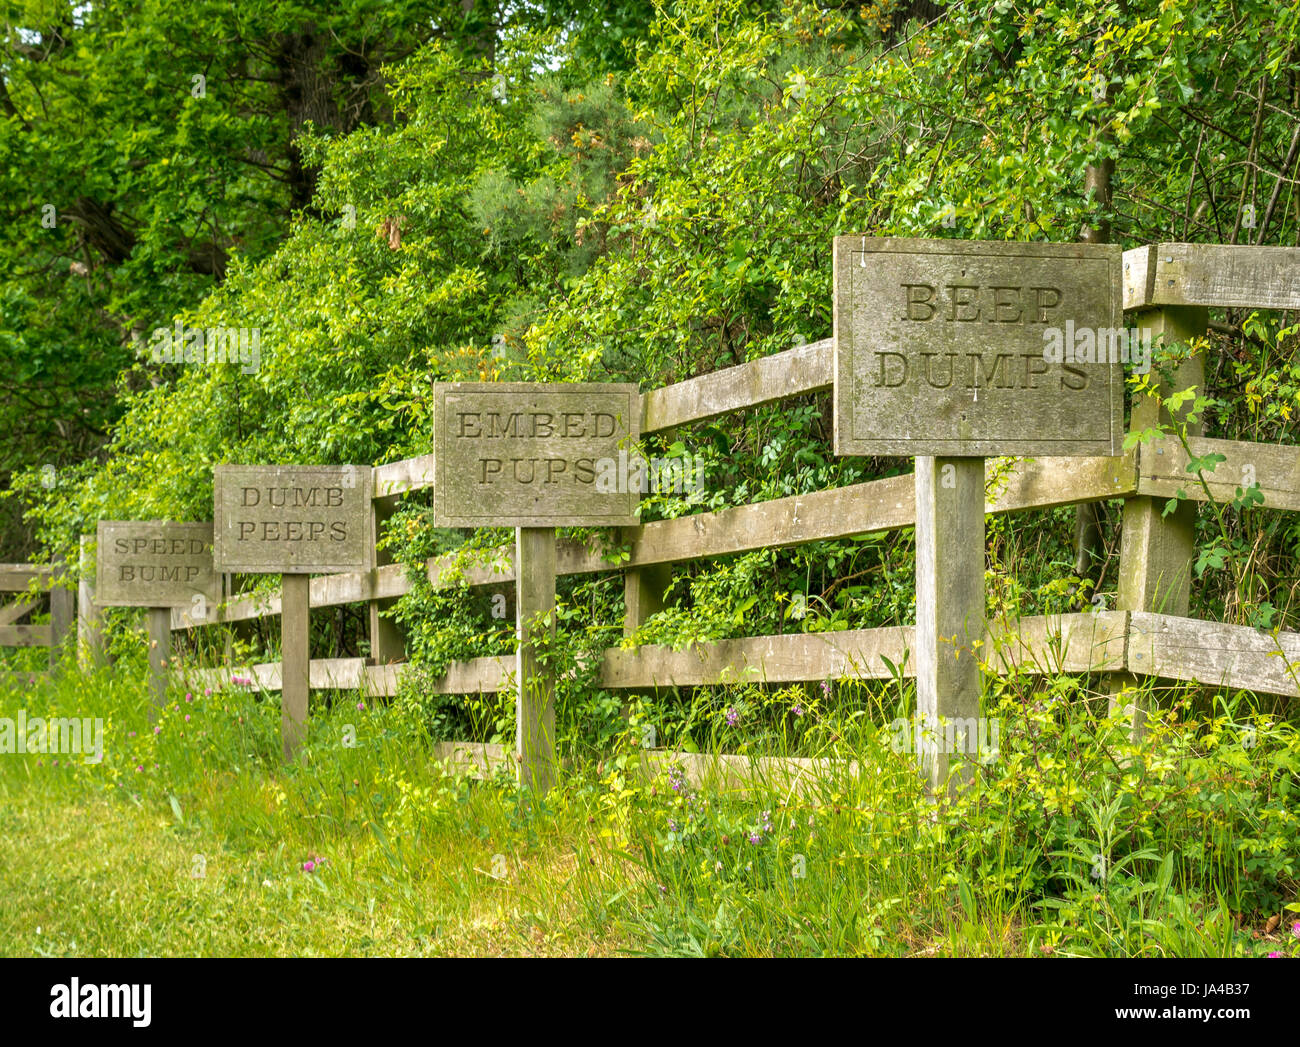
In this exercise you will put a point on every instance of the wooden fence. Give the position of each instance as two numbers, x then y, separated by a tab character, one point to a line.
1168	288
24	580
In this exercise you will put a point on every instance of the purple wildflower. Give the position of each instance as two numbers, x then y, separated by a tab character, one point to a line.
797	710
308	866
733	717
755	838
1295	929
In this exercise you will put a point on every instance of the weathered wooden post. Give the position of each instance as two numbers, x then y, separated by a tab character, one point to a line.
535	622
951	351
949	603
387	643
643	593
90	618
1157	551
534	457
157	565
62	610
295	660
294	521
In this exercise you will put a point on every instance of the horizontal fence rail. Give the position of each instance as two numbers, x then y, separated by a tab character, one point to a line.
1141	643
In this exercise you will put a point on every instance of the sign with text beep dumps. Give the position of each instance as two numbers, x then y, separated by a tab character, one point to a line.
971	348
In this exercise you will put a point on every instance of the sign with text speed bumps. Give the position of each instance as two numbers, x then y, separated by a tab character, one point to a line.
520	454
966	348
293	519
155	563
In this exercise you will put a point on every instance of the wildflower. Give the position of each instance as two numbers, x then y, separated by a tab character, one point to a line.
187	717
663	889
207	692
733	717
308	866
1275	956
797	710
189	697
755	838
673	826
139	767
361	707
1295	929
676	778
157	730
130	734
826	688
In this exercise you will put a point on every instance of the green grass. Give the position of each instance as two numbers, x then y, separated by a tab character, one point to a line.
192	839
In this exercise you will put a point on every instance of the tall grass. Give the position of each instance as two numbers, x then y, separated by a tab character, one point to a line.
192	837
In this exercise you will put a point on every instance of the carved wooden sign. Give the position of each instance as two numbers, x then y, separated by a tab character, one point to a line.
155	563
966	348
521	454
293	519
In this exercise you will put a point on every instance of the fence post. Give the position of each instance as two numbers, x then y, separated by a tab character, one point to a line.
949	608
295	659
387	642
90	616
1157	552
160	643
61	610
643	594
534	610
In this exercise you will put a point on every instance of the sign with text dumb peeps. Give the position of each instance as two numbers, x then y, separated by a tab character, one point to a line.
293	519
523	454
968	348
155	563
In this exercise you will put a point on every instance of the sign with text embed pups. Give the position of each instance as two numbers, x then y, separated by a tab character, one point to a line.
963	348
521	454
292	519
155	563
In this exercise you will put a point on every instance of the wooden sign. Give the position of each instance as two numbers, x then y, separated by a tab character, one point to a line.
963	348
155	564
520	454
292	519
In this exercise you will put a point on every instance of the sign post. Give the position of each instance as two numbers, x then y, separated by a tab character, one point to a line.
535	457
294	521
157	565
950	351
